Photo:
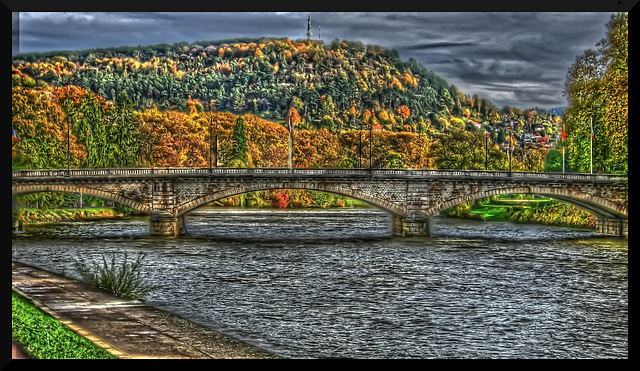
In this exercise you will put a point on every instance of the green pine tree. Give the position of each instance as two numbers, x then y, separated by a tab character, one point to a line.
239	147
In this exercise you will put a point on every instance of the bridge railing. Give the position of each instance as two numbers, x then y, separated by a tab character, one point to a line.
47	173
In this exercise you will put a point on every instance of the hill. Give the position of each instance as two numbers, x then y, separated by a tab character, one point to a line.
265	77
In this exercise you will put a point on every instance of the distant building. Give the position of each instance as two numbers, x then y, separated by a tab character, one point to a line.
527	137
542	141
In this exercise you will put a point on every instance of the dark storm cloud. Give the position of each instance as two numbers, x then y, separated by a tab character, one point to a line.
515	59
428	46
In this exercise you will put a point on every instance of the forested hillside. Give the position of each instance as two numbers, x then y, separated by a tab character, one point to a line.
338	86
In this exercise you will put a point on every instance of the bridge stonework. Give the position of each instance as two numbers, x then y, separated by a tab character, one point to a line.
411	196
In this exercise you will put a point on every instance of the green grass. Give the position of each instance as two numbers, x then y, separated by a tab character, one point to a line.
45	337
491	212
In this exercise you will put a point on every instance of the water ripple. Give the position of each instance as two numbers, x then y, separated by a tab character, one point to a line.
336	284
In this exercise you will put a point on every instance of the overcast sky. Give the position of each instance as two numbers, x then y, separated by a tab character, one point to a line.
516	59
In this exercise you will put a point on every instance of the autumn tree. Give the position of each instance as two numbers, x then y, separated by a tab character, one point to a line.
41	124
404	112
463	150
597	89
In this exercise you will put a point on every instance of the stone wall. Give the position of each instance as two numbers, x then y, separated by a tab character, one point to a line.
613	227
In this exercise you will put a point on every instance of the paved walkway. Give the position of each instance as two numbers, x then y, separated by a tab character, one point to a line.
124	327
18	351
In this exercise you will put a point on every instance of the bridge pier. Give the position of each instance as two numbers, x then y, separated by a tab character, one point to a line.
613	227
163	223
416	224
16	225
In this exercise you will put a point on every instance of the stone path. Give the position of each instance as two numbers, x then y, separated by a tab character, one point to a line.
126	328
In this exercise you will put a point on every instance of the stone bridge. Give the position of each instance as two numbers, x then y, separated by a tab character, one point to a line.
411	196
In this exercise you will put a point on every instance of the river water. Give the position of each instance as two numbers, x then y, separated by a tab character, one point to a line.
335	283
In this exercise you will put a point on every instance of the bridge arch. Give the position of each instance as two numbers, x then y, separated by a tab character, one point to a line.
379	203
28	189
598	206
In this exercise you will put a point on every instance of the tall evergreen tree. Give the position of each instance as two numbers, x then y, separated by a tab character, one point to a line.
239	146
124	132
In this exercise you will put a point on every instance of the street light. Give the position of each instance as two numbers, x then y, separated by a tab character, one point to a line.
215	152
360	155
88	148
68	145
370	145
210	137
486	150
290	142
563	137
510	128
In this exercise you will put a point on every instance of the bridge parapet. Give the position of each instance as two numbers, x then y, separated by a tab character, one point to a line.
159	171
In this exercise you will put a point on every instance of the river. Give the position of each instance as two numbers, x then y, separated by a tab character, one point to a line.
335	283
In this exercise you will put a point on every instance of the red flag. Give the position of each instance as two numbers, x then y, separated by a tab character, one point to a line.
563	134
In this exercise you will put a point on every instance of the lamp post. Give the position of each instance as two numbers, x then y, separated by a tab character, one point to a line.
215	153
360	151
88	132
563	137
510	128
591	144
370	145
68	145
486	150
210	137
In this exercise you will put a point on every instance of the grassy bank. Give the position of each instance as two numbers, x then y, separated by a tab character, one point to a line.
538	211
29	216
45	337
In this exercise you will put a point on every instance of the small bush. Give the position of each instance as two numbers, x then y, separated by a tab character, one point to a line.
123	280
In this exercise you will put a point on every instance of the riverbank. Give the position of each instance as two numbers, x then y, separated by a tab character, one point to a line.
540	211
527	211
30	216
126	328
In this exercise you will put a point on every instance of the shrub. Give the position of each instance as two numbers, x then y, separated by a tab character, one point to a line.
123	280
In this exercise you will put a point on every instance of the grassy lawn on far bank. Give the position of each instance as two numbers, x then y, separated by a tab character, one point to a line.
28	215
535	211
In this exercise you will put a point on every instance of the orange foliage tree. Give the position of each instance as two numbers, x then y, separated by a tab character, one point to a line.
404	111
41	124
294	115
